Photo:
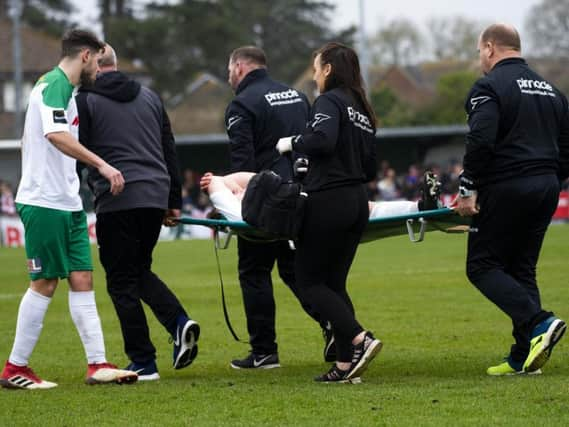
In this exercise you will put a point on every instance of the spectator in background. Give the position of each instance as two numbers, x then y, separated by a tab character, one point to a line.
450	179
201	210
7	205
373	190
190	189
383	167
387	186
411	181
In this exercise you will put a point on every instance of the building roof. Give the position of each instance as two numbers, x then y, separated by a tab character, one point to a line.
40	51
200	109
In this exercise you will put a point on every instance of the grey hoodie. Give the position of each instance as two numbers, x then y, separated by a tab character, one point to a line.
126	125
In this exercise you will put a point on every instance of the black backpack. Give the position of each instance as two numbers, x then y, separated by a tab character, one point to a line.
273	205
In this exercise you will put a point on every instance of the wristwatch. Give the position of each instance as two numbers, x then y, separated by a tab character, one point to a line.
465	192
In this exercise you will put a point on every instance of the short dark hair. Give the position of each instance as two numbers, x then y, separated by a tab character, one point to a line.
502	35
252	54
74	41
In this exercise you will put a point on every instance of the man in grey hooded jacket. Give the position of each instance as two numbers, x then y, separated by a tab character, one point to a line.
126	124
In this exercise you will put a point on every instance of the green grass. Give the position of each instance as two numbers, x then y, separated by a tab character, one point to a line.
440	335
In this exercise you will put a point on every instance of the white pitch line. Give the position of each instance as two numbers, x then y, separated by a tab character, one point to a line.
10	296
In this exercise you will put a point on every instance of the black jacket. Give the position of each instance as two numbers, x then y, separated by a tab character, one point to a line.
126	125
340	142
263	111
519	126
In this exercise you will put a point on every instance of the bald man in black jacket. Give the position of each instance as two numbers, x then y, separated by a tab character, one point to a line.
517	152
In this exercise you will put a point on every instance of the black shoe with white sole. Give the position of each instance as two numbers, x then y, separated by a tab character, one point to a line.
257	361
336	375
364	353
185	342
430	193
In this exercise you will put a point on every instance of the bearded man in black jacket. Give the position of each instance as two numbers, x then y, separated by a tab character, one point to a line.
263	111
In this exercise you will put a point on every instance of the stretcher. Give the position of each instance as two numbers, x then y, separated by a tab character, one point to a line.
414	225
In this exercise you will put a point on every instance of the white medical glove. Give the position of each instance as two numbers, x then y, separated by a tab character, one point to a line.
284	145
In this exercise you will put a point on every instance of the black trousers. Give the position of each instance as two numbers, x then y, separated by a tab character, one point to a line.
126	240
333	225
503	252
256	261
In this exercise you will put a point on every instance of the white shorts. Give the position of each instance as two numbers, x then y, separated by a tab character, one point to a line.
395	208
228	204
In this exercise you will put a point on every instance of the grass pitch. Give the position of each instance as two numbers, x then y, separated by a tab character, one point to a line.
440	335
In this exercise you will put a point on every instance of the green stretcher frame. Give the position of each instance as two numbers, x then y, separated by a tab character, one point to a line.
414	225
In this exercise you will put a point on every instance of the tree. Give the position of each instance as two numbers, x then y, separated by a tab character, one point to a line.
390	110
111	9
454	37
448	107
397	43
548	26
174	41
51	16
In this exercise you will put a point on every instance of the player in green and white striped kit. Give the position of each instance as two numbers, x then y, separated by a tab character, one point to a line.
57	242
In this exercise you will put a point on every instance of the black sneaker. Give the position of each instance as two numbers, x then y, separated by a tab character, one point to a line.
364	353
146	371
430	193
214	214
329	343
185	342
257	361
337	376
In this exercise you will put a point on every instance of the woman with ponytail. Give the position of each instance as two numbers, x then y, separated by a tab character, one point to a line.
340	145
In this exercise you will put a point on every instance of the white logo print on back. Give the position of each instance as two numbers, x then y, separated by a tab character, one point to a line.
319	118
232	120
478	100
285	97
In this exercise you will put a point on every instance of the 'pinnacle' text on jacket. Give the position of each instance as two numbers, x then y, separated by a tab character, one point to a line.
535	87
360	120
290	96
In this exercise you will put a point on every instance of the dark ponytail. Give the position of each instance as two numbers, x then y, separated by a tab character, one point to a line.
345	73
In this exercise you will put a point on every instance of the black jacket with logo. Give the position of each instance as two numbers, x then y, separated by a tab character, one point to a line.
519	126
263	111
127	126
339	141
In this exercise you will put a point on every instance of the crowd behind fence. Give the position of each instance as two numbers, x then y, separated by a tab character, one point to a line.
387	186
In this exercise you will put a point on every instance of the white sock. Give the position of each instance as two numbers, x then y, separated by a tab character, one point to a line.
84	314
28	327
385	209
228	204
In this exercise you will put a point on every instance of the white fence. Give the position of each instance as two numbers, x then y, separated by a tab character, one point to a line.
12	231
